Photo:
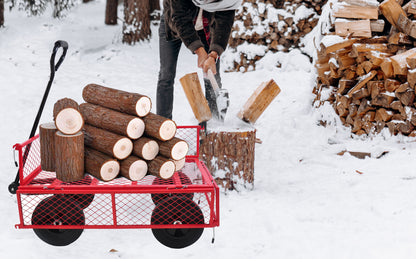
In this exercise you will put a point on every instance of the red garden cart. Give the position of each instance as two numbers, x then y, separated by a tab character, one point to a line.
177	210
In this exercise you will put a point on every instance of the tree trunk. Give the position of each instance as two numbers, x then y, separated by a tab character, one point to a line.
145	148
133	168
1	13
159	127
101	165
69	156
67	117
175	148
131	103
117	122
136	26
107	142
161	167
47	146
229	156
111	12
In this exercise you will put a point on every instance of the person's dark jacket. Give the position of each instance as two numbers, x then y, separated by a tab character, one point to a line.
179	18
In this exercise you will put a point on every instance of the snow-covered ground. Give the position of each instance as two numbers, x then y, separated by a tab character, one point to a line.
308	202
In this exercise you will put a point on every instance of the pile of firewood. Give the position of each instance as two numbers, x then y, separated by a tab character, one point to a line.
120	137
272	26
370	67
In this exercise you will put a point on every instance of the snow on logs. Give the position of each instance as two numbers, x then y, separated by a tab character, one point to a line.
370	80
120	137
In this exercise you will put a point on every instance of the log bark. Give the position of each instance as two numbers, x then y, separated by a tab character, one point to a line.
133	168
193	91
159	127
107	142
229	156
100	165
111	12
47	146
175	148
131	103
161	167
67	116
145	148
111	120
69	156
259	101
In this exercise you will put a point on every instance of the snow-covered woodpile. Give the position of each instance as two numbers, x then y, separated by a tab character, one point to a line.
270	26
368	72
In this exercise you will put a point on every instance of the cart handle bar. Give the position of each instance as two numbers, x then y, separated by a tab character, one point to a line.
54	67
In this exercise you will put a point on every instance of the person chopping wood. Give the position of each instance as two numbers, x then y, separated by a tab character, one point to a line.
204	26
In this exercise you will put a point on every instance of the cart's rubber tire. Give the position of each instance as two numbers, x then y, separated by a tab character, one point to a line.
62	210
158	197
177	210
84	200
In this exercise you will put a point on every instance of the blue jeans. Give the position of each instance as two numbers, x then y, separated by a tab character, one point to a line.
169	51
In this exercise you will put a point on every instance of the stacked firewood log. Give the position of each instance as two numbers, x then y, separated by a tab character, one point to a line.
370	71
121	136
269	26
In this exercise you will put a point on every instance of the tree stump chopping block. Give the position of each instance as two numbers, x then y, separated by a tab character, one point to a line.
229	156
133	168
107	142
67	117
47	146
111	120
100	165
69	156
159	127
131	103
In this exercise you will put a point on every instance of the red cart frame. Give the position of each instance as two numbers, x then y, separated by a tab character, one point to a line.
120	203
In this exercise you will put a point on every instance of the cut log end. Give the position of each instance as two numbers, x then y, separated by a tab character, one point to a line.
180	150
109	170
69	121
123	148
143	106
150	150
167	170
167	130
138	170
135	128
179	164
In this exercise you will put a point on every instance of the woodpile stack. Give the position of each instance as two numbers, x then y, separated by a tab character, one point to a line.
121	137
271	26
371	70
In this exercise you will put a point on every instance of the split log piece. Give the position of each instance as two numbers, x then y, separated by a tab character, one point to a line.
145	148
126	102
161	167
159	127
411	78
67	116
399	62
47	146
100	165
355	11
337	46
133	168
391	11
257	103
69	156
362	81
383	115
175	148
356	28
111	120
107	142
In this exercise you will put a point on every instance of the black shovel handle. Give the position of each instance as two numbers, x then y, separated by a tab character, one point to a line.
54	67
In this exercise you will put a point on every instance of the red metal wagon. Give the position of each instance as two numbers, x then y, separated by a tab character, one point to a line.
177	210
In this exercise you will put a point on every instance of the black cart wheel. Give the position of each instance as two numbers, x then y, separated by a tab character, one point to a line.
177	210
58	210
83	200
158	197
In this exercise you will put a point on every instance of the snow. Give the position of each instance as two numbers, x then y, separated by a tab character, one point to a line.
307	201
